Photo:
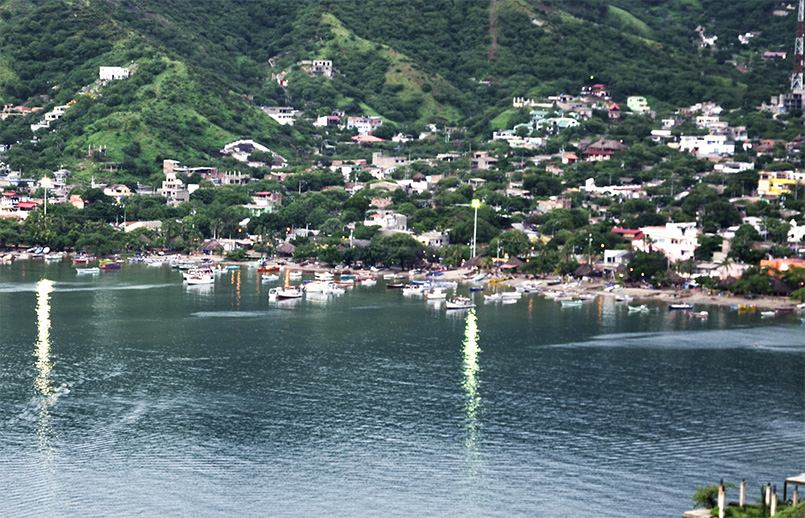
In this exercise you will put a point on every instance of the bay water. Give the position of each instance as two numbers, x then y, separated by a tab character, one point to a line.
130	394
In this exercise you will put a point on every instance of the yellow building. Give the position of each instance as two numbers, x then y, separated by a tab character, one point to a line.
775	183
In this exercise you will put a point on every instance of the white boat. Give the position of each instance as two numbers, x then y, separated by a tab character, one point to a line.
368	282
493	297
288	292
459	302
512	295
324	276
413	290
767	314
682	306
320	287
698	314
196	272
436	293
295	275
270	277
54	257
623	298
571	303
85	271
638	309
194	277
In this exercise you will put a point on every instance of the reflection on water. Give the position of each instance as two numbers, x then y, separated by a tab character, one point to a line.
43	384
472	404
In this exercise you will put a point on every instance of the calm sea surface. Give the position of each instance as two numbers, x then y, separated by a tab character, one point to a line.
129	394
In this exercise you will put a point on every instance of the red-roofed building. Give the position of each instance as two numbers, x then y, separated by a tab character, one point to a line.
628	233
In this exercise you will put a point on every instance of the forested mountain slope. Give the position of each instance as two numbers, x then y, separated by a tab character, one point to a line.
202	68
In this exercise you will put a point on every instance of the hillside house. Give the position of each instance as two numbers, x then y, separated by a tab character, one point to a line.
637	104
706	145
482	161
776	183
117	191
388	220
598	90
113	73
364	124
282	114
677	241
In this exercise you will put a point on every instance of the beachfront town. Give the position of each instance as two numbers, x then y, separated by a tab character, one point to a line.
578	184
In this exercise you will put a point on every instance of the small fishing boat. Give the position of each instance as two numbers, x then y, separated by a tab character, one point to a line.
86	271
638	309
698	314
288	292
270	277
395	286
295	275
436	293
493	297
571	303
767	314
110	264
459	302
476	288
680	306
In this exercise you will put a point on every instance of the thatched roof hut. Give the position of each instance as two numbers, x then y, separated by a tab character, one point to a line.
286	249
584	270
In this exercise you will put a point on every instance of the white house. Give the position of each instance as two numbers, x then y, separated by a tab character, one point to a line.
112	73
707	145
677	241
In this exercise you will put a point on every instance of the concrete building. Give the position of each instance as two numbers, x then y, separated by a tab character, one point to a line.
113	73
677	241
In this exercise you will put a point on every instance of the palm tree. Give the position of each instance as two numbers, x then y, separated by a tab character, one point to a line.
725	265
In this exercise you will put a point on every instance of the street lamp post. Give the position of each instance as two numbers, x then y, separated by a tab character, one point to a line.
46	183
475	204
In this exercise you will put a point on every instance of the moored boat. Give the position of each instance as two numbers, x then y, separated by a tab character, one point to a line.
285	293
459	302
680	306
90	270
638	309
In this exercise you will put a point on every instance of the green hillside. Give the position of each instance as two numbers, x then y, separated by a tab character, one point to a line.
202	70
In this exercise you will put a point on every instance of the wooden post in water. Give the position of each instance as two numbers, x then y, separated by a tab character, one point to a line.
773	502
795	497
767	499
742	498
721	499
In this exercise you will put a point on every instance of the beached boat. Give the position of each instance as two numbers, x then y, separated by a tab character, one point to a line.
85	271
680	306
459	302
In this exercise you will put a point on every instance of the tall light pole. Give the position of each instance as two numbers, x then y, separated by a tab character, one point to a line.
475	204
46	183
